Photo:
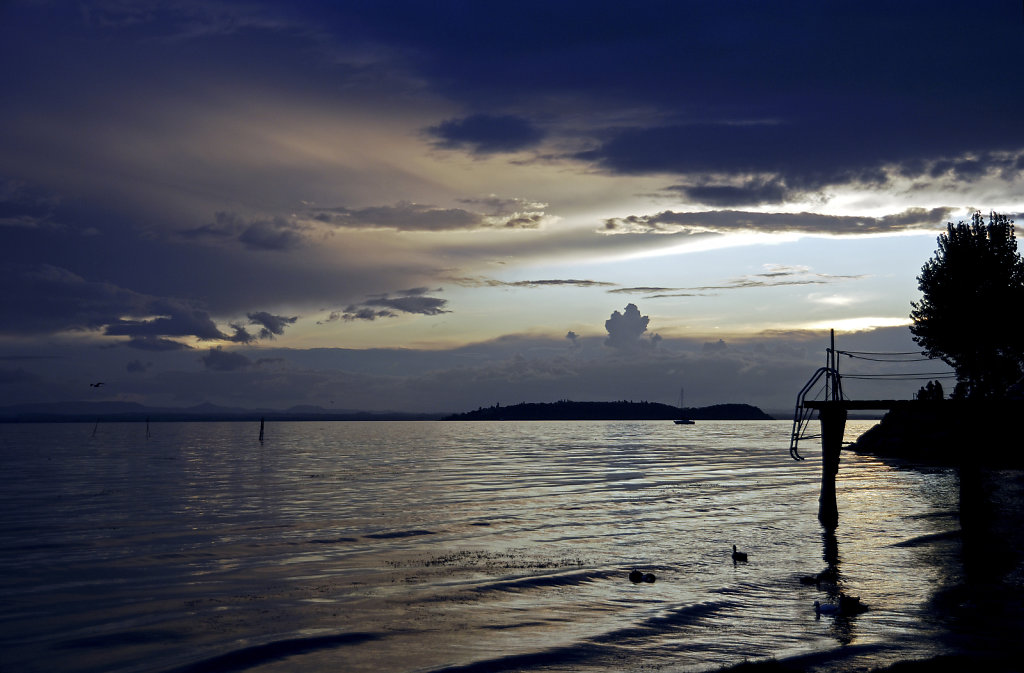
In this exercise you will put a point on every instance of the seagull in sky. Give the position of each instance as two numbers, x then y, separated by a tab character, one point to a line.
96	385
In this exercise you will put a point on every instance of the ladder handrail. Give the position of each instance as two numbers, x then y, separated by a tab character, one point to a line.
802	415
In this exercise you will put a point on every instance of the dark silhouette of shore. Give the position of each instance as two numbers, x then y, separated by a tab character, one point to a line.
945	432
567	410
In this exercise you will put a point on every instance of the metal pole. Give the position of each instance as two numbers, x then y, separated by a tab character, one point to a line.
832	364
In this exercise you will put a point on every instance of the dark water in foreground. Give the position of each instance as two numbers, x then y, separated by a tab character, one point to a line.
459	547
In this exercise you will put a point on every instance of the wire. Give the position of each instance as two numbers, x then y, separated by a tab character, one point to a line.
901	377
861	357
880	353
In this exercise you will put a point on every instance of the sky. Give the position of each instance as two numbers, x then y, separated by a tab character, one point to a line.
435	206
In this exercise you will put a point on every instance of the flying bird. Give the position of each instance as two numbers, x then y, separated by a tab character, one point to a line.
96	385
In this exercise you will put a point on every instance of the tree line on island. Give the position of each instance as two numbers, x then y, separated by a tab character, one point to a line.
567	410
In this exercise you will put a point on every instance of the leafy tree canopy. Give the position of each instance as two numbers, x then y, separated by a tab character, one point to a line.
972	297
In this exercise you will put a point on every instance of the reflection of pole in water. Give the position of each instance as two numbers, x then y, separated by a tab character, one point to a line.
147	428
95	427
829	581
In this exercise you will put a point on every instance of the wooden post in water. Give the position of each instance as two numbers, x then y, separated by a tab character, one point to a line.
833	425
261	428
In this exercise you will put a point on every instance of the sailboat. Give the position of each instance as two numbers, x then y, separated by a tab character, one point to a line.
682	421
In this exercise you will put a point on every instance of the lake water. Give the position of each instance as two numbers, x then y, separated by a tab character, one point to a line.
446	546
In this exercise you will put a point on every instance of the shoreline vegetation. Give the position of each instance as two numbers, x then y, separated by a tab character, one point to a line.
948	432
567	410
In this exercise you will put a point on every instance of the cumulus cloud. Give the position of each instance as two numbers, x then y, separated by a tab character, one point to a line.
626	330
714	346
728	221
487	134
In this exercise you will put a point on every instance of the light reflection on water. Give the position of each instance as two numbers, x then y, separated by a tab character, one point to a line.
421	546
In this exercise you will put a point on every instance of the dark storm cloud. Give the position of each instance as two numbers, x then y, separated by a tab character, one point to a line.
411	304
725	221
421	217
277	234
16	376
175	319
804	94
548	282
751	192
24	205
412	301
487	134
137	366
225	361
151	343
271	325
53	299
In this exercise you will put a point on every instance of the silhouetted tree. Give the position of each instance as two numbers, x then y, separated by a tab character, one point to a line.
973	292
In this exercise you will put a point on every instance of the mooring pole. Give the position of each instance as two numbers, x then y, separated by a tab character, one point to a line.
833	364
261	427
833	424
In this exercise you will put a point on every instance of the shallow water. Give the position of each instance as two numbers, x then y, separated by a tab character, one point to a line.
436	546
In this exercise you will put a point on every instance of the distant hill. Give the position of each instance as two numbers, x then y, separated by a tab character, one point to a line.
566	410
112	411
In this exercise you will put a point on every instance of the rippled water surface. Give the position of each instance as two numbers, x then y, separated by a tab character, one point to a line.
435	546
